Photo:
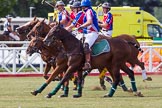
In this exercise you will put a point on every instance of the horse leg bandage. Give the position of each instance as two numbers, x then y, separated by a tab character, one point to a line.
122	84
112	90
66	90
54	91
79	89
133	84
144	76
42	88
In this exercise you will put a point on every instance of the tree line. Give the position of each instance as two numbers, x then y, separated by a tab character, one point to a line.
21	7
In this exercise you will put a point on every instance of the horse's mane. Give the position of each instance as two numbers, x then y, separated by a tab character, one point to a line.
65	33
69	41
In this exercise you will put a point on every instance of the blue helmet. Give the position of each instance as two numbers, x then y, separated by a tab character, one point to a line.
86	3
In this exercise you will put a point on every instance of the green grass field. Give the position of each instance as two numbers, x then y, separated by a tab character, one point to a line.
15	93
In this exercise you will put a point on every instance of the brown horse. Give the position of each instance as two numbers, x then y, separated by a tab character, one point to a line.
133	60
41	29
114	60
32	28
53	55
36	46
26	28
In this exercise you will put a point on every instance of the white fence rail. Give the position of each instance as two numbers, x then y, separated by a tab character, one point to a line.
14	59
11	57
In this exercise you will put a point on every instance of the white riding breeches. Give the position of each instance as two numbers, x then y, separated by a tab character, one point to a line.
90	38
79	36
107	33
14	36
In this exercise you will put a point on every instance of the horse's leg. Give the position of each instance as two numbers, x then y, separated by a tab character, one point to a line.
47	69
102	78
75	82
121	83
132	78
144	76
55	73
66	77
60	76
85	73
74	79
79	86
116	78
66	89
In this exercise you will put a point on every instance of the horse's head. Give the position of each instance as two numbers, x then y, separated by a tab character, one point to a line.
35	45
24	29
40	30
57	32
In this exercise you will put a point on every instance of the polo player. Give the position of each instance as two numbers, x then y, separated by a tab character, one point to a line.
90	30
63	15
8	29
107	23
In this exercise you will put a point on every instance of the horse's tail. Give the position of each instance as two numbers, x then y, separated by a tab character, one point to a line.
136	46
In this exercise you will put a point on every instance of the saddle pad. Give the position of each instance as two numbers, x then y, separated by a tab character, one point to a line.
100	47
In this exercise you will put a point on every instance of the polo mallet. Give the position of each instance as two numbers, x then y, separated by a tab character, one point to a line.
44	1
98	6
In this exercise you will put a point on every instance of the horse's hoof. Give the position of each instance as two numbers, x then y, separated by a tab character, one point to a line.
49	95
103	87
77	96
106	96
129	90
139	94
148	79
34	93
125	89
64	95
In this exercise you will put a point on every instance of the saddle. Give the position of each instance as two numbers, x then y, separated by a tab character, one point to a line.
100	46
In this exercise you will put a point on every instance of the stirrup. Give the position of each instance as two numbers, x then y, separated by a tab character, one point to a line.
87	66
